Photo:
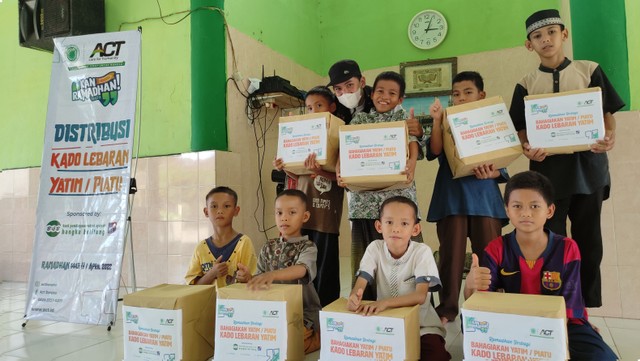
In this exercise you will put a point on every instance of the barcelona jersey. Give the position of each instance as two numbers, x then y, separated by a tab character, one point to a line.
556	272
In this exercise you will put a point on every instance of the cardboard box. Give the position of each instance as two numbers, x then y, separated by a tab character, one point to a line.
372	156
393	334
169	322
259	325
477	133
565	122
508	326
301	135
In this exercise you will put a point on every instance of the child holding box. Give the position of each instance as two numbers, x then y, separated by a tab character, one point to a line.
326	200
291	259
581	179
535	260
387	95
463	207
403	272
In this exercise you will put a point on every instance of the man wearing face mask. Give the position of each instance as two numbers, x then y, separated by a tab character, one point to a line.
350	87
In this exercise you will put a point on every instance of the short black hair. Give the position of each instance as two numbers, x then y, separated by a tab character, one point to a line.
393	76
403	200
530	180
222	189
472	76
294	193
322	91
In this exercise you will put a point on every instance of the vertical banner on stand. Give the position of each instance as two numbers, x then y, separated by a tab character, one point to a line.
84	183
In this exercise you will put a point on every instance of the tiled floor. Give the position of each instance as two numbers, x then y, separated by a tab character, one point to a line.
44	341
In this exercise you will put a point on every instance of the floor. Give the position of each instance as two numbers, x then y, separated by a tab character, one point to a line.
44	341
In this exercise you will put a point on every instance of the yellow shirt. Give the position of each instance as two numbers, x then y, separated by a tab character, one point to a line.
203	260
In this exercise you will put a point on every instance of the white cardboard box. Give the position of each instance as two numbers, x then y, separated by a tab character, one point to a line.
301	135
477	133
372	156
565	122
392	335
509	326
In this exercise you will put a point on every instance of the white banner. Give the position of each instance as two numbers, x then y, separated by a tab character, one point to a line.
84	182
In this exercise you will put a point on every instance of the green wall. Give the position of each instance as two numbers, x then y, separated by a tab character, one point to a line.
166	82
603	39
633	46
374	32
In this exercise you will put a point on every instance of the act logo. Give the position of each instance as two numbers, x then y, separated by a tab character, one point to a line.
53	228
380	330
71	52
109	49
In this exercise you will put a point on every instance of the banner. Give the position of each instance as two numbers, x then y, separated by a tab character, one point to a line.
84	181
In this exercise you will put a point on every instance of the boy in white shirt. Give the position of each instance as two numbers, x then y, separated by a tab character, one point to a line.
403	272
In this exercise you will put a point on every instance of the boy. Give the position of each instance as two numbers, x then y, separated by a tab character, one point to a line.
404	272
388	93
534	260
581	179
218	258
291	259
350	87
326	200
463	207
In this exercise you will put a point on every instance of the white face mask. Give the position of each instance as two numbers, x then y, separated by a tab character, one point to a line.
351	100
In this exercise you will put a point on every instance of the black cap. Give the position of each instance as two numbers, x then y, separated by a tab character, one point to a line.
543	18
343	71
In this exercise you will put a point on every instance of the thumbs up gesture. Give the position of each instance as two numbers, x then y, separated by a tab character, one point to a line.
479	278
354	300
414	126
243	275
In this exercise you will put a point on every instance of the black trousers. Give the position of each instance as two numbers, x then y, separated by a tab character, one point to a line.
327	281
584	212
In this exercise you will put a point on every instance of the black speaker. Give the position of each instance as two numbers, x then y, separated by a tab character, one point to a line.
42	20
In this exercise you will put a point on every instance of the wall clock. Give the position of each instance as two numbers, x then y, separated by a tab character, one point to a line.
427	29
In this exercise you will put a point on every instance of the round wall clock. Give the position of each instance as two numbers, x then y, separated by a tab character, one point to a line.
427	29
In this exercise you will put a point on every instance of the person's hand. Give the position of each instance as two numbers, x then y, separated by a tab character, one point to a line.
479	278
339	180
243	275
311	164
537	154
435	111
278	164
485	171
606	144
353	304
261	282
373	308
410	170
219	268
414	126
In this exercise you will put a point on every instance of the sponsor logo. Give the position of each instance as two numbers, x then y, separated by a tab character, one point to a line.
167	321
391	137
510	138
591	134
286	130
458	122
536	108
542	333
103	89
109	49
497	113
473	325
53	228
351	139
506	273
112	227
131	317
71	52
551	280
380	330
316	126
270	313
225	311
333	325
585	103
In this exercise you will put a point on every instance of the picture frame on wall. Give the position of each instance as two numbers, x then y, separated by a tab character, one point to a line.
429	77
